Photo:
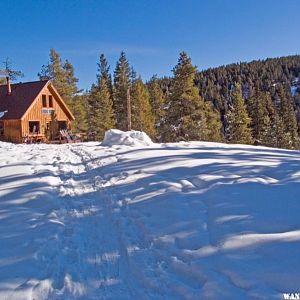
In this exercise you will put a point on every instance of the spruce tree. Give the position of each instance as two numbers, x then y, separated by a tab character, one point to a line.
185	119
69	90
62	77
100	101
54	71
158	102
101	114
287	115
142	117
280	138
213	124
121	85
238	130
80	111
103	72
261	112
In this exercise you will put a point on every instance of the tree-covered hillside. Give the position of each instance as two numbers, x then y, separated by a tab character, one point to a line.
253	103
268	75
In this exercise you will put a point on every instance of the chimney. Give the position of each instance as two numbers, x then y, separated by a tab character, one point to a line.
8	85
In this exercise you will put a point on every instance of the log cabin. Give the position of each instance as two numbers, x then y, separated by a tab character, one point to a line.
32	109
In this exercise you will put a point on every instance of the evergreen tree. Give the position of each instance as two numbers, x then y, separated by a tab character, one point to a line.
101	109
10	72
158	102
185	119
261	112
213	124
53	70
280	139
69	89
103	72
100	101
260	75
80	111
287	115
121	85
92	109
238	120
142	118
62	77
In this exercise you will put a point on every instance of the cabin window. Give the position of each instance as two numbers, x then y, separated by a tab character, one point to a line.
50	101
34	127
62	125
1	128
44	100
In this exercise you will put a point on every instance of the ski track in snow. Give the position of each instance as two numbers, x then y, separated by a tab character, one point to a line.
175	221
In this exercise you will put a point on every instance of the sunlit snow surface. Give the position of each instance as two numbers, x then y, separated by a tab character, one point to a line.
168	221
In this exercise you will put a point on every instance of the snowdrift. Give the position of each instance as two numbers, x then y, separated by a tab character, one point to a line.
193	220
115	137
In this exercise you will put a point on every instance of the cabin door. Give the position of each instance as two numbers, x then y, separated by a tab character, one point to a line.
51	130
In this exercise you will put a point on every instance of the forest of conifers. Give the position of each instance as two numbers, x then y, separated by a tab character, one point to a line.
252	103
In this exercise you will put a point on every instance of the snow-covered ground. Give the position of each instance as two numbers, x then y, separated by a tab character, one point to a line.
168	221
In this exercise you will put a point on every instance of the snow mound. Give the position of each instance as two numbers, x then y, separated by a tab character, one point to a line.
127	138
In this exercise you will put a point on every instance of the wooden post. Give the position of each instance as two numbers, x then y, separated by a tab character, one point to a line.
128	110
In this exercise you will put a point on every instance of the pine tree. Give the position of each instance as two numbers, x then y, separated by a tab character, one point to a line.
121	85
80	111
100	102
142	118
287	115
101	109
53	70
158	102
62	77
103	72
213	124
92	109
280	138
69	89
261	112
185	119
238	130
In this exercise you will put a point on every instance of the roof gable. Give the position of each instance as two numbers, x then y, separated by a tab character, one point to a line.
21	98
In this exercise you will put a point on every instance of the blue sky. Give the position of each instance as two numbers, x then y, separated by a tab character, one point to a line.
152	33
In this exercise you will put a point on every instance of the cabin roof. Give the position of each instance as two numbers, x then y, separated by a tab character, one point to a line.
21	97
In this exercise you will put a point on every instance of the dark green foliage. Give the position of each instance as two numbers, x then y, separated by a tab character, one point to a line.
101	115
142	117
191	105
288	118
158	103
261	112
80	111
238	128
186	113
122	82
256	76
103	72
213	123
62	77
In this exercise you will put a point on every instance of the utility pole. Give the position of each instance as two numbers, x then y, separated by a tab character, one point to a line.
128	110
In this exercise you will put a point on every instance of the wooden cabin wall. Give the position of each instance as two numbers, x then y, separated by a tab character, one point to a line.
35	113
12	131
